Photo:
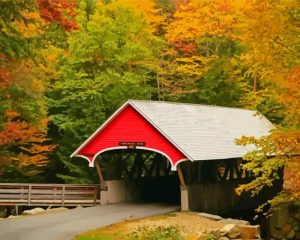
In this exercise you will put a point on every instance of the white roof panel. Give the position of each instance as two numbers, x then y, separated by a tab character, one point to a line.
204	132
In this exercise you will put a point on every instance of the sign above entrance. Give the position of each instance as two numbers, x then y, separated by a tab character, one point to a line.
132	145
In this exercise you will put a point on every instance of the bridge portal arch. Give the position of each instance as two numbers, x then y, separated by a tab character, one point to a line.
197	136
130	129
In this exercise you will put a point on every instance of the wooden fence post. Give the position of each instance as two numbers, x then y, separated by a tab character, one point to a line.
95	196
63	195
29	194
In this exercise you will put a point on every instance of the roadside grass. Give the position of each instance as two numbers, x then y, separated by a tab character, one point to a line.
94	238
172	226
159	233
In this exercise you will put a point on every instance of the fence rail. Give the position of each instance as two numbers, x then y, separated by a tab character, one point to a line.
49	194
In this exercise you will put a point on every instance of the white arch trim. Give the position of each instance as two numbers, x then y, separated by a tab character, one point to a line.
173	166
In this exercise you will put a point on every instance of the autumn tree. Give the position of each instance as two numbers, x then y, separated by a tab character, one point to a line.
273	60
65	66
251	48
207	59
109	60
24	145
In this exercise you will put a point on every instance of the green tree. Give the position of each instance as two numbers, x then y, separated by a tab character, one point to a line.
109	60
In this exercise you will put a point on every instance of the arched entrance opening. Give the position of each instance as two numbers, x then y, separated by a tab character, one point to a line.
138	175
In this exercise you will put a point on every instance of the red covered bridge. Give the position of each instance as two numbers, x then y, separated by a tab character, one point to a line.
150	150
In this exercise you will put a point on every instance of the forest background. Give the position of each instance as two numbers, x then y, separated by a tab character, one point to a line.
67	65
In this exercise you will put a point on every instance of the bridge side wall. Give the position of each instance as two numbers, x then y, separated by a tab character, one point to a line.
220	198
215	197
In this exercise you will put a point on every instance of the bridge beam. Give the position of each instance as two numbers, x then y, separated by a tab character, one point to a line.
180	175
101	178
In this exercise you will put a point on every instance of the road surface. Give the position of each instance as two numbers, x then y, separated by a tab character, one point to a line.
67	224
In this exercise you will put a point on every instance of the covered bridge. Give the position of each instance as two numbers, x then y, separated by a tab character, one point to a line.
173	150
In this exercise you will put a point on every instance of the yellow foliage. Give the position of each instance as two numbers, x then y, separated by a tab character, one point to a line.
199	18
290	97
34	27
270	34
193	65
23	74
148	9
279	150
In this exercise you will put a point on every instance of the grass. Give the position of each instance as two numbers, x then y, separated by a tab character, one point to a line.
158	233
94	238
172	226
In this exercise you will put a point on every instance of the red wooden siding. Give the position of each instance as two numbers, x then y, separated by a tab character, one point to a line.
130	126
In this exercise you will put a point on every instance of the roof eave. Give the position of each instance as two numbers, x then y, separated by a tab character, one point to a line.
99	129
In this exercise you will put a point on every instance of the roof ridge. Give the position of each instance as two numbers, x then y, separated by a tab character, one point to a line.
192	104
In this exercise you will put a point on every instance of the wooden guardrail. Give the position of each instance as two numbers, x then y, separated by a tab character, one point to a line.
49	194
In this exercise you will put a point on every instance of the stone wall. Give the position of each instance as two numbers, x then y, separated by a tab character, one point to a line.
232	229
285	223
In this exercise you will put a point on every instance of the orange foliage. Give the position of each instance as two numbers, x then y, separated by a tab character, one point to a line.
22	144
15	131
292	177
185	47
5	76
31	143
291	100
61	12
33	27
5	79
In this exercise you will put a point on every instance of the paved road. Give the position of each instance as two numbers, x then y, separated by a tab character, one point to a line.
65	225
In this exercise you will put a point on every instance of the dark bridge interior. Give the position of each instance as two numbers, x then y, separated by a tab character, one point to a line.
148	174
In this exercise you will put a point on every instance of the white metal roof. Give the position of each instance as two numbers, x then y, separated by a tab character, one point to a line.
204	132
